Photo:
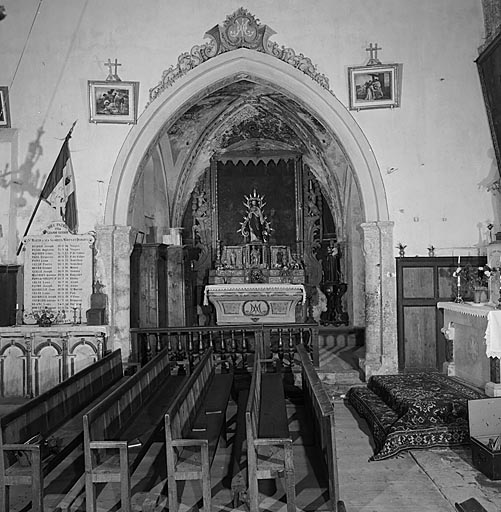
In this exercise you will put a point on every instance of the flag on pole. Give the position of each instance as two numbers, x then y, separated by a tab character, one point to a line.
59	189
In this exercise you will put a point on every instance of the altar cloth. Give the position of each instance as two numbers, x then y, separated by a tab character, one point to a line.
493	334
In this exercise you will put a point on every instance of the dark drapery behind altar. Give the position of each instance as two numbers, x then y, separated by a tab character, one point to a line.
274	180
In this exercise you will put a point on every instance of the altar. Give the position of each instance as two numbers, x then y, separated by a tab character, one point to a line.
471	357
260	303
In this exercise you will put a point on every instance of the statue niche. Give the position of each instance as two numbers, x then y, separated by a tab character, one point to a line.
255	261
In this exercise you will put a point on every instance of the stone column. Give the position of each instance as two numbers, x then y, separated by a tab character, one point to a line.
494	261
381	349
113	250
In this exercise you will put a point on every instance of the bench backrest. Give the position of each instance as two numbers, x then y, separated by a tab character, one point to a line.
182	412
110	417
254	401
45	413
322	414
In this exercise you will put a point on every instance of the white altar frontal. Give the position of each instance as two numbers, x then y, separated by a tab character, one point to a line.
260	303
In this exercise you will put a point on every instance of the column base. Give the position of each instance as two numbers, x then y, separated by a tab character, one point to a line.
493	389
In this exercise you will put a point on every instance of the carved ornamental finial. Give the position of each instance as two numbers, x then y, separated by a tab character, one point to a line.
239	30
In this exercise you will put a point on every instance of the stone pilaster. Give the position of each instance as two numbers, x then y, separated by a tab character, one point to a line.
113	249
381	349
494	261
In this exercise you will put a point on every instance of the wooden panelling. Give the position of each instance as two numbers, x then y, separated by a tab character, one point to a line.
421	283
35	359
418	282
420	334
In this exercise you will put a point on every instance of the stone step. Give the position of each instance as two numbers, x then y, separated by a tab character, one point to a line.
349	377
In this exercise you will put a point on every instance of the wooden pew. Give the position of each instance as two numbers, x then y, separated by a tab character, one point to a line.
36	437
269	443
195	421
321	411
119	430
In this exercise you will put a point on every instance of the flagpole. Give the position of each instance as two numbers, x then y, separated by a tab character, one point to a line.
68	136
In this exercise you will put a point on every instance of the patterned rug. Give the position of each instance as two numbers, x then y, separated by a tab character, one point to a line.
414	411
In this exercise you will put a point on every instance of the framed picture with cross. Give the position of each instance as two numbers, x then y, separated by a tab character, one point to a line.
113	100
375	86
4	107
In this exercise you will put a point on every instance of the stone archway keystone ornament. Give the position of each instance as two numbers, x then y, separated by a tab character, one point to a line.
240	30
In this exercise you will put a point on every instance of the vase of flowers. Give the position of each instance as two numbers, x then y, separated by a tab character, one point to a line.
478	279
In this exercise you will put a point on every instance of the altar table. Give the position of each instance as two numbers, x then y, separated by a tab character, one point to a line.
260	303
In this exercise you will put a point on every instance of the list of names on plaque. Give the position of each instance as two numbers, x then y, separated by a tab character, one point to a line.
58	273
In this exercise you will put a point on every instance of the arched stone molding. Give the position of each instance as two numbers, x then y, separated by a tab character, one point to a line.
249	65
245	64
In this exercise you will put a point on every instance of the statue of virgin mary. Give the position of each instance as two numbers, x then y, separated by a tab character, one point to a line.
255	227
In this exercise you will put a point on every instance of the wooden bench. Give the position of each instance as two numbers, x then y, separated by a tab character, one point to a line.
194	423
269	443
37	436
321	412
119	430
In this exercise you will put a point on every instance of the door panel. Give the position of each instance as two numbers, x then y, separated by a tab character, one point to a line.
420	337
421	283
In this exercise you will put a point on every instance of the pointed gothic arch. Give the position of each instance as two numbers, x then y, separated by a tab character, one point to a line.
307	88
234	66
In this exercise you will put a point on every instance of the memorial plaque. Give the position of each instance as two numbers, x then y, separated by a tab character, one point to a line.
58	275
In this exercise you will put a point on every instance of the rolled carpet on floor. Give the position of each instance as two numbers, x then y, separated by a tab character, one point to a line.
414	411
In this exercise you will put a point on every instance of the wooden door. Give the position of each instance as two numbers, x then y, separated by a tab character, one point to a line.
422	282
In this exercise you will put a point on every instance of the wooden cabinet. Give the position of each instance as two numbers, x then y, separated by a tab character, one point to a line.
8	297
421	283
148	286
157	286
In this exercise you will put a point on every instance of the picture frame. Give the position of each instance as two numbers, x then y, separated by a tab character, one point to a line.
488	71
4	107
113	101
375	86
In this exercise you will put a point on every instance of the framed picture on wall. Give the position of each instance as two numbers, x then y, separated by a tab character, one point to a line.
113	102
489	70
4	107
377	86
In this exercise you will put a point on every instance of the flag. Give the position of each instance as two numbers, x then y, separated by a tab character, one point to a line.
59	189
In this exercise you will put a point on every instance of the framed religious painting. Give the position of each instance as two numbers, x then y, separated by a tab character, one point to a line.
375	86
489	70
113	102
4	107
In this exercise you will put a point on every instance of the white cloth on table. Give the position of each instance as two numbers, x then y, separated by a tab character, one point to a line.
493	334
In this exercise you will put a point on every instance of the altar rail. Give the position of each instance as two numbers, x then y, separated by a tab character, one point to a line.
231	345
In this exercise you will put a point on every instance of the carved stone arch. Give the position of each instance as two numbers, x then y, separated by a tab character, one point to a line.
237	65
262	67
